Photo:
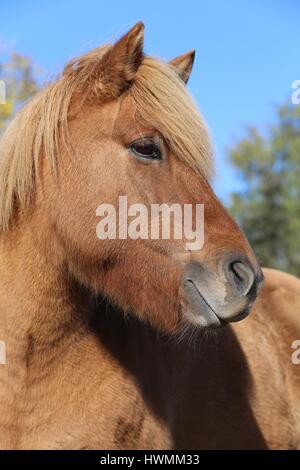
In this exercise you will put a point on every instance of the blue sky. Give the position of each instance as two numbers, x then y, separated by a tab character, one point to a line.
247	52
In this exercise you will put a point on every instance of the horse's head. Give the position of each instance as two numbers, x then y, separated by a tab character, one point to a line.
134	131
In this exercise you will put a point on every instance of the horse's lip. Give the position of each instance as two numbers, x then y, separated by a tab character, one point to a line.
204	299
240	316
220	321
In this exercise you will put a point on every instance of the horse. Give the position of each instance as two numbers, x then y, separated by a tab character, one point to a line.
132	343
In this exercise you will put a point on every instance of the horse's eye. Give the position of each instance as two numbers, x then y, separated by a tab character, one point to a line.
146	148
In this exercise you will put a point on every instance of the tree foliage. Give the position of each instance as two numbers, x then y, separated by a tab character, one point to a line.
268	208
21	84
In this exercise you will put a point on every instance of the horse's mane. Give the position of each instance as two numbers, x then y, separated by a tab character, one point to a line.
42	124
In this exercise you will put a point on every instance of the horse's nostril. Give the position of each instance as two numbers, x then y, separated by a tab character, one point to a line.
241	277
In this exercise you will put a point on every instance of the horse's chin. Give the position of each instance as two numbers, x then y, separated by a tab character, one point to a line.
203	318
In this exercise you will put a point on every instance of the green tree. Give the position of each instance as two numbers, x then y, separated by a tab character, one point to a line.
268	209
21	83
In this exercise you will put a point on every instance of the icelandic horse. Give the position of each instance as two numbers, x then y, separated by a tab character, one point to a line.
132	343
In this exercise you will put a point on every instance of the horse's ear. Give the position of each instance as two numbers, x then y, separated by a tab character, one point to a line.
184	64
121	62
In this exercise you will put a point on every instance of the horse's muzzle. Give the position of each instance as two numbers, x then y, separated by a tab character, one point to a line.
213	299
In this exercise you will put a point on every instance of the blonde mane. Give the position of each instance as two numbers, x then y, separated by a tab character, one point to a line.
42	125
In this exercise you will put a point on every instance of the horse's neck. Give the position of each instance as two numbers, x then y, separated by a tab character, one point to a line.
37	306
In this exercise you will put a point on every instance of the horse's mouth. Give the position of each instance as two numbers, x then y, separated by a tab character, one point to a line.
200	311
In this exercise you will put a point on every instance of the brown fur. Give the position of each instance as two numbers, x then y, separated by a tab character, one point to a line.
97	356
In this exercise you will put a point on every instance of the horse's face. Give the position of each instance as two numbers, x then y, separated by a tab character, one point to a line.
118	153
